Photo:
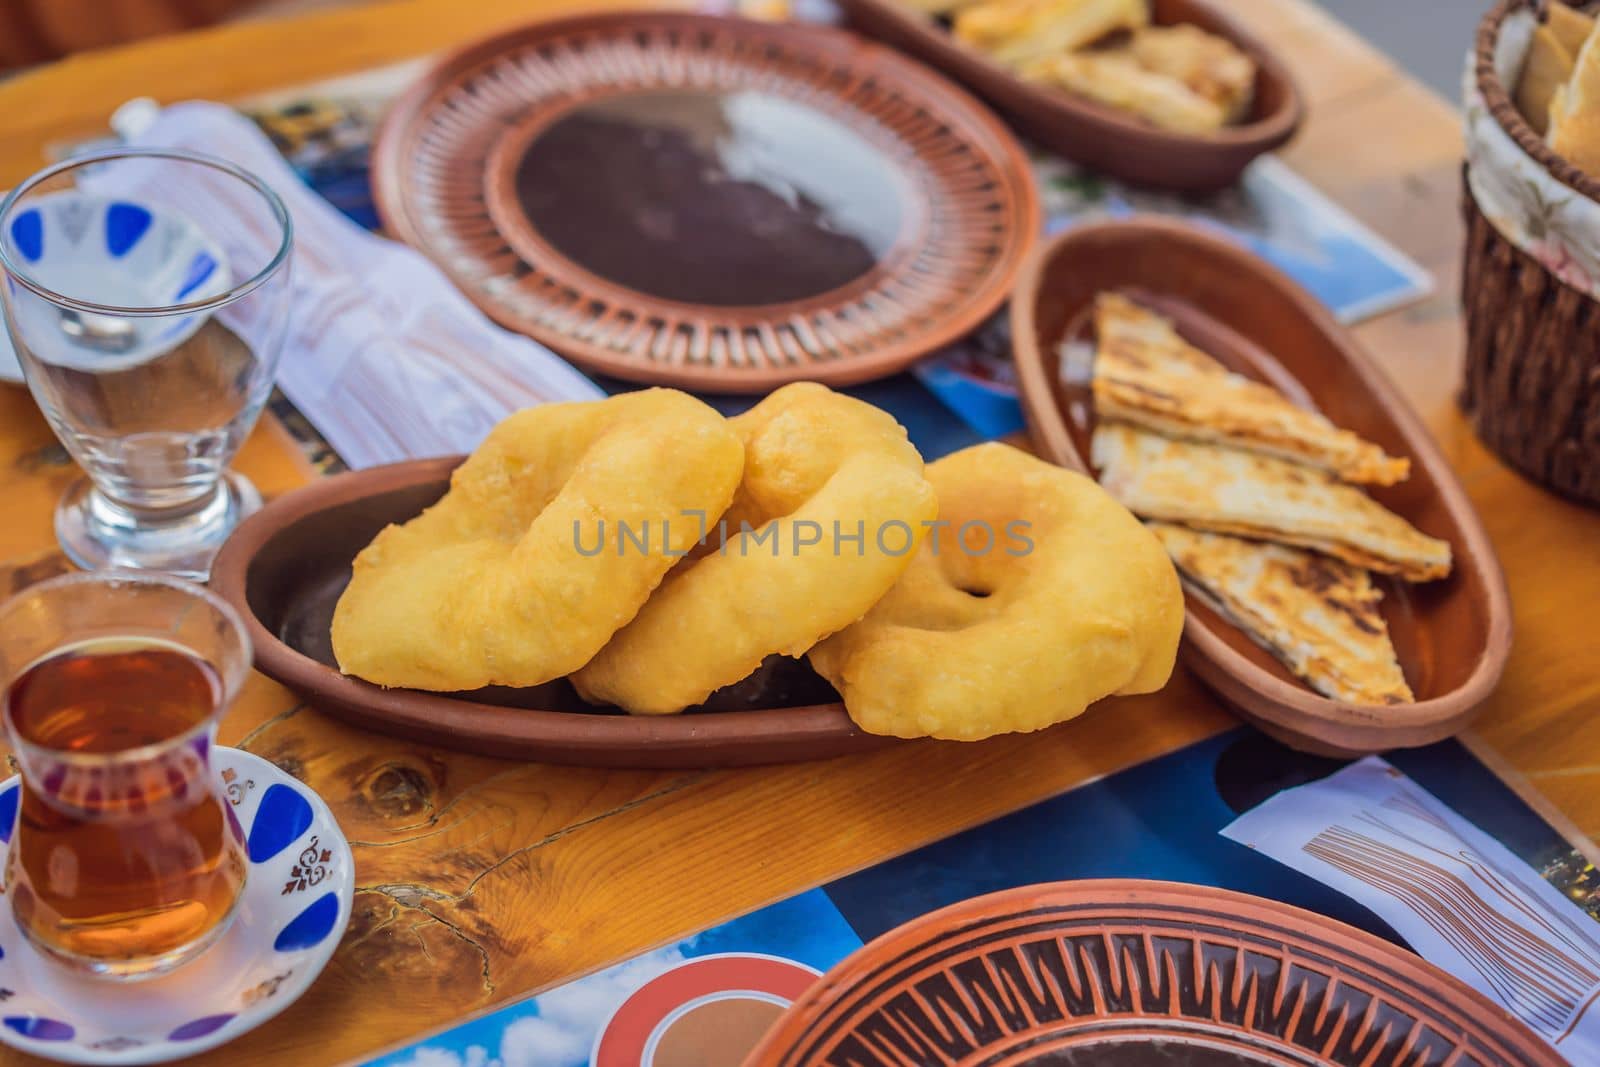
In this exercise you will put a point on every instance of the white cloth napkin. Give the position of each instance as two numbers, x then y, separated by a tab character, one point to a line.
1458	896
383	355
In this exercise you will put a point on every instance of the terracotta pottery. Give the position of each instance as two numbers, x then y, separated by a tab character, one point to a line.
1125	973
715	204
285	567
1452	636
1100	137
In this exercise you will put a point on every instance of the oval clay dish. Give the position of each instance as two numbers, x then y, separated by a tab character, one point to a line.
285	567
1101	137
710	203
1452	636
1128	973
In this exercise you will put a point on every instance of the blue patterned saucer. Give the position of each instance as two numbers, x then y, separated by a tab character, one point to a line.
295	907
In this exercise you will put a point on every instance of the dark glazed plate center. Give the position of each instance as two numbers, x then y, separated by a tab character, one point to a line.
730	199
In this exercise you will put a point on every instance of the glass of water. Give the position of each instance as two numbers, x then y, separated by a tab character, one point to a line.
146	292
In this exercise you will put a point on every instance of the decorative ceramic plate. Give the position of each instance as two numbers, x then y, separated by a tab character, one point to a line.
1134	974
710	203
295	906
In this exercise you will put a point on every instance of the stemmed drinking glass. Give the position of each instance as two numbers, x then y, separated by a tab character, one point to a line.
146	292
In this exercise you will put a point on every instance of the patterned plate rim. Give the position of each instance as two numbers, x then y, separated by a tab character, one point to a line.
780	348
1134	902
308	968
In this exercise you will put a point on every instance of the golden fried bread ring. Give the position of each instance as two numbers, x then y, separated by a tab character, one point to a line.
973	643
489	586
813	458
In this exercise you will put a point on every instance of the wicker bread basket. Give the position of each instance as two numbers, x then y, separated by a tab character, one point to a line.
1529	292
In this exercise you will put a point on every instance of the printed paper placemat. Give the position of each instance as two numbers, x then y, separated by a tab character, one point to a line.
710	994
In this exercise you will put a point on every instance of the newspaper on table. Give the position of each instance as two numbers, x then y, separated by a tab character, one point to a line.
384	355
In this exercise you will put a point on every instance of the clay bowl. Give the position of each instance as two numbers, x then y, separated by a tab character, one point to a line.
1100	137
615	186
285	566
1079	973
1452	636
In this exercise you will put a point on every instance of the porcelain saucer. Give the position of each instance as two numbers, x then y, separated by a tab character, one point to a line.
295	907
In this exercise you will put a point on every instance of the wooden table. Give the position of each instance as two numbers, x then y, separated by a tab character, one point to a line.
481	881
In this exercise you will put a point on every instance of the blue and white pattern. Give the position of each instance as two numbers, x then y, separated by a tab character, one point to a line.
111	252
295	907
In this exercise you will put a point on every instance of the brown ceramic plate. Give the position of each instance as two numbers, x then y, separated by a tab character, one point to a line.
285	566
1136	974
715	204
1452	636
1101	137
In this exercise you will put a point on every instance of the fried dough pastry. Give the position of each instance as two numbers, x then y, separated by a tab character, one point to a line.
489	587
813	459
968	645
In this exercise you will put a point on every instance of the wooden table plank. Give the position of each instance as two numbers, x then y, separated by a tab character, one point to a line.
689	851
482	880
71	99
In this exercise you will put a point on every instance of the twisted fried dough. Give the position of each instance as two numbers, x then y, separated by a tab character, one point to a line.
970	644
489	586
813	457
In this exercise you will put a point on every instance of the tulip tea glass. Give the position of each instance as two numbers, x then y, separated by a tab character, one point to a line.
146	293
126	859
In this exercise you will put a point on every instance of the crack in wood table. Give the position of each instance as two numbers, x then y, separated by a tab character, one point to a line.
480	881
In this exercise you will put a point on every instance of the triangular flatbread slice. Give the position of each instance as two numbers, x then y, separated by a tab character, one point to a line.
1224	490
1318	615
1211	66
1568	25
1145	373
1575	113
1015	32
1116	79
1544	72
936	7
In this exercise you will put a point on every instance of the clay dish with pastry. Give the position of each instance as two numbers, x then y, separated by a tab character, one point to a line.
1097	134
1450	636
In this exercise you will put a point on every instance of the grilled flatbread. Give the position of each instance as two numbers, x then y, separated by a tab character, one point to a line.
1145	373
1569	25
1020	31
1209	65
936	7
1228	491
1545	70
1318	615
1116	79
1575	110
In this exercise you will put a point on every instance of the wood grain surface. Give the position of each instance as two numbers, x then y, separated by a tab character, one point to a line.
481	880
